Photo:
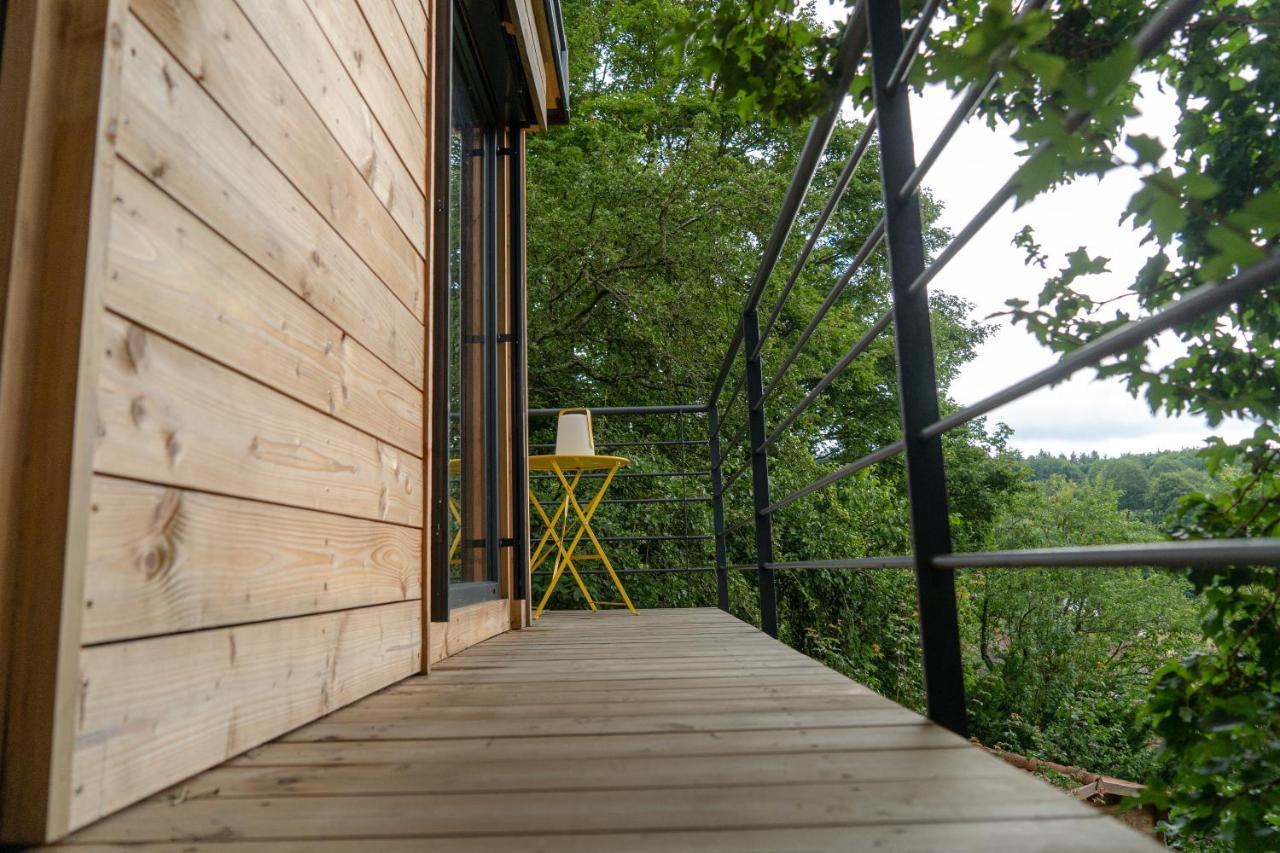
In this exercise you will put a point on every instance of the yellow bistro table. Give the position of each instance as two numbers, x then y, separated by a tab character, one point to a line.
562	466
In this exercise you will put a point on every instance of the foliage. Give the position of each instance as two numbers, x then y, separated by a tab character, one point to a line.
1218	710
1060	659
1150	484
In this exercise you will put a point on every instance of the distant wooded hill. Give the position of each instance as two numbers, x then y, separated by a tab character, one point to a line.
1150	483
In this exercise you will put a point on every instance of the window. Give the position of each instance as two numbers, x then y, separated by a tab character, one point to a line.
472	303
481	107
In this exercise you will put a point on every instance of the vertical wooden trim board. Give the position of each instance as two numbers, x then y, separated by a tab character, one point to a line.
61	60
429	483
522	405
531	55
468	626
430	46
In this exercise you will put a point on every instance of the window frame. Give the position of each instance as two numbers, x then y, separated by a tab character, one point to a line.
462	50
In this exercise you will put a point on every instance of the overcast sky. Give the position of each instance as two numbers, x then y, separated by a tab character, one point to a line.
1083	414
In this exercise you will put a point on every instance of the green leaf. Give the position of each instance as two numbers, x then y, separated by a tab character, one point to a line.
1148	148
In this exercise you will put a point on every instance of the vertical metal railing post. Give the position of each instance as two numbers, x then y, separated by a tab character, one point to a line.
759	472
917	382
717	505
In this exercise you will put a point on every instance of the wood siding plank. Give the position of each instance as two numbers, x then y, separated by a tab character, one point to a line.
168	415
297	41
170	272
414	18
163	560
216	44
467	627
346	29
171	131
400	53
154	711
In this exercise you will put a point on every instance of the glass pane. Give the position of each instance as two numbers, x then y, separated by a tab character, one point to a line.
468	559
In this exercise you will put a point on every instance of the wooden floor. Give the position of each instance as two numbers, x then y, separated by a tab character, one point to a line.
671	730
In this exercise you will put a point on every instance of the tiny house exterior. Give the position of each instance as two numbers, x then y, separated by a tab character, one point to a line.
246	246
263	435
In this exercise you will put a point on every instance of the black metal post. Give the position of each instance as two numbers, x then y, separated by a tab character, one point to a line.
717	507
492	528
518	357
759	473
917	382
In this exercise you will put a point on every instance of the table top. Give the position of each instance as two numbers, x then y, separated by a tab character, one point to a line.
573	462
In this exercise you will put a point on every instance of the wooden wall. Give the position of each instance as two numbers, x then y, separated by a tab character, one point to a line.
243	547
255	535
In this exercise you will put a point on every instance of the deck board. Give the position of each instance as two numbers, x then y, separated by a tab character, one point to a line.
670	730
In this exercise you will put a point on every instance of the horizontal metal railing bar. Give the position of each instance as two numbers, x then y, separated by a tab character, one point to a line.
833	296
673	443
665	500
733	398
685	409
909	50
733	478
969	100
1164	23
727	365
1202	300
967	233
852	47
627	474
743	567
660	537
871	458
1171	16
691	570
837	192
849	55
854	351
736	439
656	537
851	563
1180	554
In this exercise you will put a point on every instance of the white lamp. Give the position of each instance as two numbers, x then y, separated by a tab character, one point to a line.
573	433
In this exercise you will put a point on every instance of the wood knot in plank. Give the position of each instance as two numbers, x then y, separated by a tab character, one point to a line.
135	346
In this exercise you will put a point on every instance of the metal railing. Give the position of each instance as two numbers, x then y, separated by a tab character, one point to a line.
688	461
876	27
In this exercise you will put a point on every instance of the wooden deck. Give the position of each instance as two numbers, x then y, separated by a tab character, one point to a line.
671	730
